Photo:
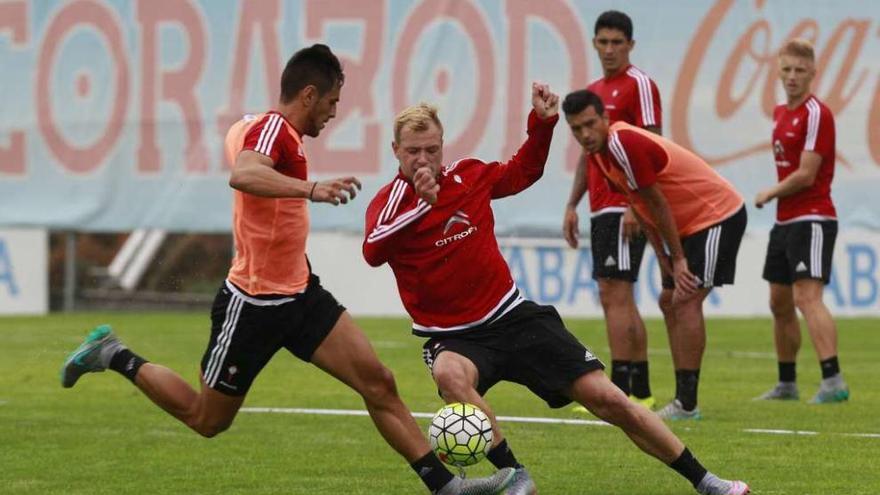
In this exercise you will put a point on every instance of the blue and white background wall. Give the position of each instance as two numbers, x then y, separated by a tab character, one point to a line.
114	111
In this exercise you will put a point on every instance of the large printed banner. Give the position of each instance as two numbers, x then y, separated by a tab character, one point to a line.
549	272
114	111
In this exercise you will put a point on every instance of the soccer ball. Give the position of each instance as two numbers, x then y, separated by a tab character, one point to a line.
460	434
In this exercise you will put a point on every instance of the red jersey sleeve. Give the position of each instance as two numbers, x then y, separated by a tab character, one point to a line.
395	207
648	111
269	137
527	165
640	158
820	132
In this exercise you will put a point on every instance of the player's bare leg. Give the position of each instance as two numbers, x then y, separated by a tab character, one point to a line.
596	392
670	319
787	338
615	296
456	377
207	411
807	295
786	327
647	431
347	355
691	328
627	339
687	339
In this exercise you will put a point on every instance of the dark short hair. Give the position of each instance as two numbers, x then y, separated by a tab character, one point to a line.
316	66
578	101
615	19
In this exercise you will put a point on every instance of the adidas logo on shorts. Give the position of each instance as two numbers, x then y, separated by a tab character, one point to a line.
801	267
610	261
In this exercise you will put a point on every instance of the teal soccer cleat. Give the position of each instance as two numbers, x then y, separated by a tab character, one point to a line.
93	355
491	485
674	411
713	485
782	391
523	484
830	395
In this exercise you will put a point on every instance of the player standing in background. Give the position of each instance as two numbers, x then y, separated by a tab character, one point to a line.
693	217
616	242
434	226
801	246
271	299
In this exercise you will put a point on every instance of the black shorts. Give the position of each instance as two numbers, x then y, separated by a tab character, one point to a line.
529	345
614	256
800	250
246	331
711	253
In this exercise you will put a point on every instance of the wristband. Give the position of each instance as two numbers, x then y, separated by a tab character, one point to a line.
312	191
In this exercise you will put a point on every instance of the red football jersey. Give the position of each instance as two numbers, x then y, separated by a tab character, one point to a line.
809	127
632	97
450	273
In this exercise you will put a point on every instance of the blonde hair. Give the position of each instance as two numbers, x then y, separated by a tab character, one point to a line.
418	118
798	47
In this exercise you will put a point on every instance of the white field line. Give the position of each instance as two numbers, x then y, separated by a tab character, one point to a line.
521	419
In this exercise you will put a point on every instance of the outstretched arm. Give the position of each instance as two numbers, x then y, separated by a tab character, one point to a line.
254	173
527	165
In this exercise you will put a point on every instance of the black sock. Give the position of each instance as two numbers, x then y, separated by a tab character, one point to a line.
689	467
501	456
620	374
787	372
641	384
127	363
830	367
686	383
432	472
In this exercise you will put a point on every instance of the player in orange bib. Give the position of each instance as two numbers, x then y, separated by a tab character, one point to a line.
692	216
271	299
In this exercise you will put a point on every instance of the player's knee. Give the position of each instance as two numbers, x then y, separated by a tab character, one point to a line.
209	429
615	294
379	385
781	307
611	301
806	300
452	383
610	405
665	302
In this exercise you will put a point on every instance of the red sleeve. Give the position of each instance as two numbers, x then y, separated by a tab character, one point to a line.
395	207
820	136
647	106
638	156
527	165
269	137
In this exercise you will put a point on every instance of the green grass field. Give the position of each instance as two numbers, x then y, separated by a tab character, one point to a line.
103	437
